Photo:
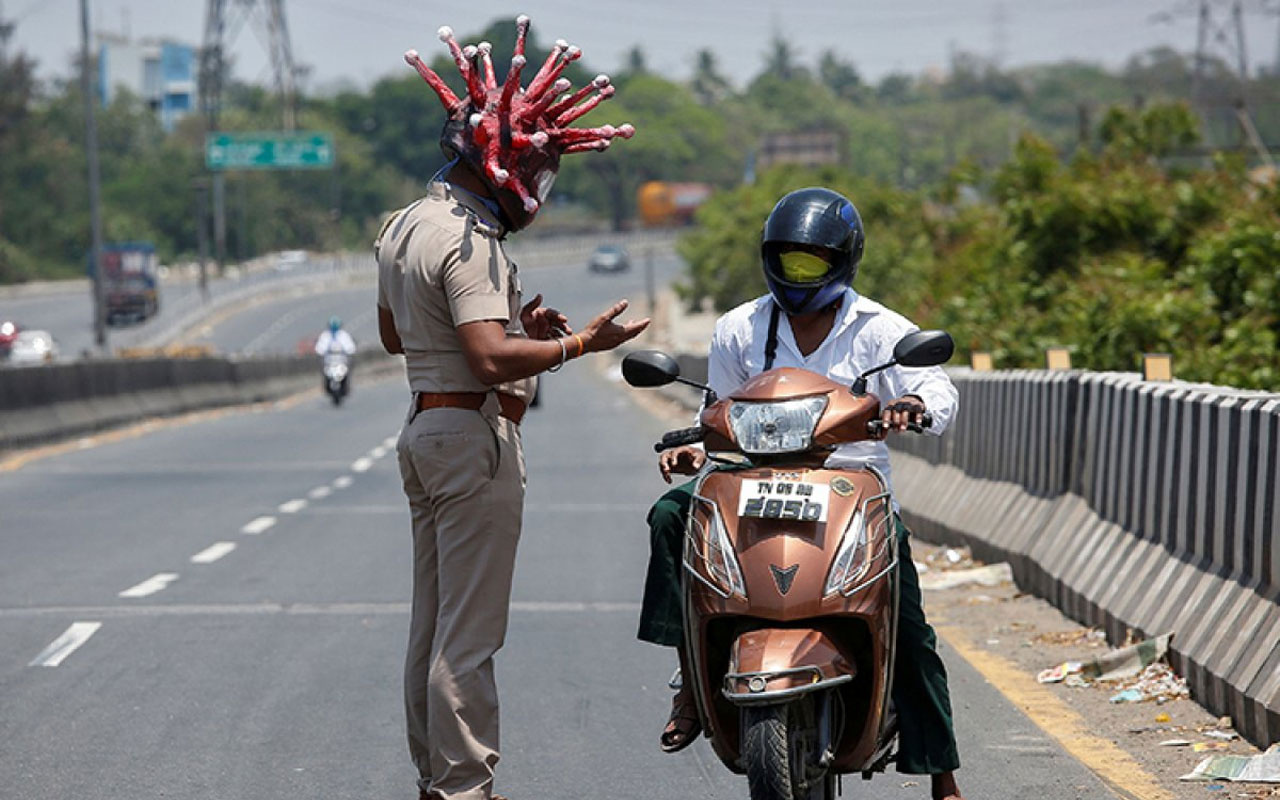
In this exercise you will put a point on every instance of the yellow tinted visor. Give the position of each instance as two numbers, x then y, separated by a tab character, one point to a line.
801	267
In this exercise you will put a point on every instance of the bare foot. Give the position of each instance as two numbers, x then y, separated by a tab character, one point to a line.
944	787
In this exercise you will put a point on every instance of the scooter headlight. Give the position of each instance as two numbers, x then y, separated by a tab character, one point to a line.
851	560
781	427
718	561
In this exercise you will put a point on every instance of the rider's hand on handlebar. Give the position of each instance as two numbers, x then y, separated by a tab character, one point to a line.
681	460
906	410
602	333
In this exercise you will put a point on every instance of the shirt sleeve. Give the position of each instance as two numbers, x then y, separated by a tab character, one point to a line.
322	343
476	280
725	368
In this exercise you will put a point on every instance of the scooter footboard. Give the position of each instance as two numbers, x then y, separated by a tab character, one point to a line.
773	664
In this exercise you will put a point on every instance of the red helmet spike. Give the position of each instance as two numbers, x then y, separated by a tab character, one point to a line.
565	104
585	107
523	141
586	147
522	32
448	99
530	111
530	204
486	59
567	136
510	86
474	89
544	78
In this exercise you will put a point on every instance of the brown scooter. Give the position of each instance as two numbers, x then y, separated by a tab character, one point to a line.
791	584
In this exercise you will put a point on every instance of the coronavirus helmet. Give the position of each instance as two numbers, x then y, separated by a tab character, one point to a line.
811	245
512	137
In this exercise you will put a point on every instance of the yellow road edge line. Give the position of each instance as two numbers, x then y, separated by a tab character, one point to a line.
1119	770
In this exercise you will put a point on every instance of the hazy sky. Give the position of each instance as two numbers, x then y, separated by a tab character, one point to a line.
358	41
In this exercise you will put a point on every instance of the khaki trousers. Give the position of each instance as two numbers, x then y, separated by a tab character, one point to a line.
463	473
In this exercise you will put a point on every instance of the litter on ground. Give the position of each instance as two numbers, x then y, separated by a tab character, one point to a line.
1262	768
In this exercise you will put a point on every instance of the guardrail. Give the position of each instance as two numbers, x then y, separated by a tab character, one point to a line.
59	401
1131	506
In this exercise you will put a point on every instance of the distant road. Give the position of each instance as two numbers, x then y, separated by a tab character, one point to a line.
68	314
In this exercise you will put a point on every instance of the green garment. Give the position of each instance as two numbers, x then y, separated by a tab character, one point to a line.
927	739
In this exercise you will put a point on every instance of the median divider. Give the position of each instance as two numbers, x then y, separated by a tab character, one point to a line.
59	401
1132	506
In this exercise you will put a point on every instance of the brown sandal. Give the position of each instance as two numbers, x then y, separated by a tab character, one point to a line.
683	726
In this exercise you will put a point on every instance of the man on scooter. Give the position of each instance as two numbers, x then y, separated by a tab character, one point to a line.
812	319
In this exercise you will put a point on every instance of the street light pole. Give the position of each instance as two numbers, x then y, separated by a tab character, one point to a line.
95	211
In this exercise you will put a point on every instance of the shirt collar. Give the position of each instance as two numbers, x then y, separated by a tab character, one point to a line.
851	305
441	189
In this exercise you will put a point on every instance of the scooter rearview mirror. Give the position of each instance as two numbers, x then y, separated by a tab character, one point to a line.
924	349
648	368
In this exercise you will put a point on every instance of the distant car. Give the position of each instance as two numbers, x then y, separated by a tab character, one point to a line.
289	259
33	347
8	332
609	258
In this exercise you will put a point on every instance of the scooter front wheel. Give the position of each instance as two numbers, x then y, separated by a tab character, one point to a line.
776	746
766	752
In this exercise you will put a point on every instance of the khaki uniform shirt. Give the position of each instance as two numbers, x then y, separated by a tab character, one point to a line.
441	265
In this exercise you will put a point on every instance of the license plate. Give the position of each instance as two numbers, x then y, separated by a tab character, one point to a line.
793	500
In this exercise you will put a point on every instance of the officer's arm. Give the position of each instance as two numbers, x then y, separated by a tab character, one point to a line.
495	357
387	332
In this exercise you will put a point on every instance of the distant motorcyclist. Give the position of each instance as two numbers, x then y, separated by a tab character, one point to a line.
335	339
812	319
335	346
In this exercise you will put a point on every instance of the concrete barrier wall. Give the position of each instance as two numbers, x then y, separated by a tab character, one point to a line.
43	404
1130	505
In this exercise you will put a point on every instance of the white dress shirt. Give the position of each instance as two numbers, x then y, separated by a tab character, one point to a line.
863	337
340	342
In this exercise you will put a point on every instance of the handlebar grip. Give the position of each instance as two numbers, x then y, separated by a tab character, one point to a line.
876	427
926	421
680	437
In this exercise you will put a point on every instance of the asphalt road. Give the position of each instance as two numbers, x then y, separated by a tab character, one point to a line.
269	666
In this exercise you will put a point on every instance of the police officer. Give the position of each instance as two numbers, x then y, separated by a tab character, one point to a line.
449	299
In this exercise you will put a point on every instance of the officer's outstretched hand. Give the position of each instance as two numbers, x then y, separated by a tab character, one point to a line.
602	333
541	322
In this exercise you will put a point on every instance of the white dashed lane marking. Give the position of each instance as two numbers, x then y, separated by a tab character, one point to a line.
151	585
319	493
362	464
378	452
342	482
293	506
258	525
390	442
213	553
66	644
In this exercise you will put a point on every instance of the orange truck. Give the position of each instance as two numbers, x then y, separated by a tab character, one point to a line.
665	203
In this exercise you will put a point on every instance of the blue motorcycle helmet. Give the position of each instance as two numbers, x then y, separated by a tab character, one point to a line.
335	324
811	246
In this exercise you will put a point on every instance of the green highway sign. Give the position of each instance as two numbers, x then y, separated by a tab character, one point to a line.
270	150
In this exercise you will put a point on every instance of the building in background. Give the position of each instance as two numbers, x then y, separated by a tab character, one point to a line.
159	71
